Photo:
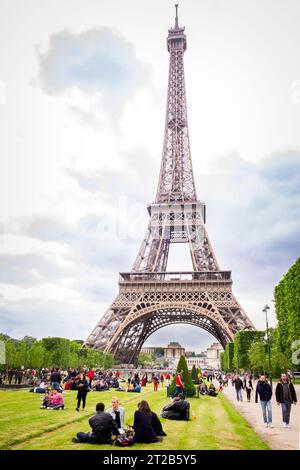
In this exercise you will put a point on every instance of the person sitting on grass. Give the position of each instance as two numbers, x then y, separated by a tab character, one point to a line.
55	401
201	388
117	412
143	425
134	389
103	428
40	388
179	409
212	391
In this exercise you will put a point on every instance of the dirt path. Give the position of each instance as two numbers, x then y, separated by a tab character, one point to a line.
278	438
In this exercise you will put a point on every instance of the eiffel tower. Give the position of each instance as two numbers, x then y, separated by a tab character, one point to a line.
150	297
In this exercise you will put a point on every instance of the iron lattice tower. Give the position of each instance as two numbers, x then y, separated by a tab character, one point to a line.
150	297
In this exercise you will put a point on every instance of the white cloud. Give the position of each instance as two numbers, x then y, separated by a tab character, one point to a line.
97	62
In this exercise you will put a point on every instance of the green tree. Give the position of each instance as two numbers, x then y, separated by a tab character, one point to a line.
21	356
10	353
189	387
58	351
223	362
242	343
287	307
36	355
144	359
258	358
108	361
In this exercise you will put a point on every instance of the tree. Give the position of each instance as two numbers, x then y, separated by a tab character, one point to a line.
10	353
144	359
258	357
108	360
242	343
287	307
59	349
21	356
223	362
189	387
36	355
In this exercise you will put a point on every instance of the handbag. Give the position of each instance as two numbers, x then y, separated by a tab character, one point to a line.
123	441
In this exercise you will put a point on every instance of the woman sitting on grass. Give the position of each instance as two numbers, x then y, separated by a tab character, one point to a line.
143	427
212	391
53	401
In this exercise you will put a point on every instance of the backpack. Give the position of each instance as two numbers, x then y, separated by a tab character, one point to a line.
124	441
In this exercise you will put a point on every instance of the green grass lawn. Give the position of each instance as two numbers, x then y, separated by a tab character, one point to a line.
217	425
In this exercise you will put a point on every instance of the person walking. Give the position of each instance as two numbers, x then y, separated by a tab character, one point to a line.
82	387
238	387
155	383
168	384
285	396
248	387
264	391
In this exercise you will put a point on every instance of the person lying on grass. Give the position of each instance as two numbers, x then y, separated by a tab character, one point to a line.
179	409
103	428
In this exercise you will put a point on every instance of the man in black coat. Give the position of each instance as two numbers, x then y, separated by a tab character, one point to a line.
285	396
103	427
179	409
264	391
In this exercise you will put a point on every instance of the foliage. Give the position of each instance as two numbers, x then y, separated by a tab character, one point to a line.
223	362
287	307
51	352
242	343
258	357
144	359
189	387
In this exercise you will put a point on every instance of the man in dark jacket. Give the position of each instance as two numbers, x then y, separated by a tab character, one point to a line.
238	383
103	427
285	396
179	409
264	390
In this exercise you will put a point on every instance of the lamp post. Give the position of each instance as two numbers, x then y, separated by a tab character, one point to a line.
265	310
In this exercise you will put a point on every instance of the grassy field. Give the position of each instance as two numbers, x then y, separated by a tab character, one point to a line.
217	425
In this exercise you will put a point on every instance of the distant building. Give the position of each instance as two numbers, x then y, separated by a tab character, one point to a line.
198	362
172	352
210	359
150	349
213	356
190	354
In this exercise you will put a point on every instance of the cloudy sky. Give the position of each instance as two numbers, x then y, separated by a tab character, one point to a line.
82	103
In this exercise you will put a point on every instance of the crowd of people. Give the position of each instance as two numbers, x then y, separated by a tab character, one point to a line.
107	425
